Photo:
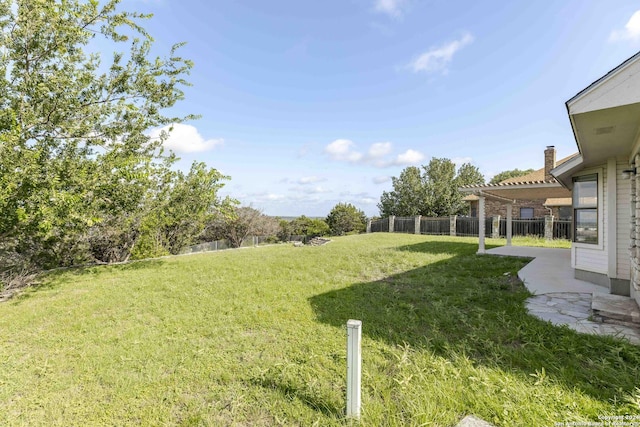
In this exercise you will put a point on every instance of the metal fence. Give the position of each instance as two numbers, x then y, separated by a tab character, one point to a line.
220	245
380	225
435	226
562	229
469	226
533	227
404	224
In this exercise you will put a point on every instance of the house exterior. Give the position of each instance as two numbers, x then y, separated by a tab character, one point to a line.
605	181
534	195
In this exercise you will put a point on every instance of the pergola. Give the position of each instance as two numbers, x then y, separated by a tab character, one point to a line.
509	193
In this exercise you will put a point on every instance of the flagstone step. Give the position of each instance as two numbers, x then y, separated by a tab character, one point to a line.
615	309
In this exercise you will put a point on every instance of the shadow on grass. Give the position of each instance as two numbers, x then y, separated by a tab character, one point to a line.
303	394
474	305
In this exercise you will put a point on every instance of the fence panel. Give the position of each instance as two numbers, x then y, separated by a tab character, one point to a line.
404	224
381	225
435	226
219	245
467	226
523	227
562	230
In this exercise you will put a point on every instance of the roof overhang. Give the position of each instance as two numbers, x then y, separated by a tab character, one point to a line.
605	118
565	171
557	202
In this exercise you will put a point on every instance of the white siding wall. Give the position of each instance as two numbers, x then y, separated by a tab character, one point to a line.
594	257
623	218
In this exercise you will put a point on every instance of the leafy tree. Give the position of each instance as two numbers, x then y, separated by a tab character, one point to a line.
514	173
75	151
302	226
310	227
443	186
346	218
183	209
408	197
286	230
241	223
434	191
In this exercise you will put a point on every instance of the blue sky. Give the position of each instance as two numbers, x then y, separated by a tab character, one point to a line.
306	104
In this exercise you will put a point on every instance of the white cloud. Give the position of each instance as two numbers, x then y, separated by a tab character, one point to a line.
409	157
392	8
381	179
368	201
341	150
631	30
308	180
378	154
379	149
437	59
265	196
185	139
318	189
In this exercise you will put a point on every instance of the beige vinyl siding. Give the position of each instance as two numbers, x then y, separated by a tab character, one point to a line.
594	257
623	218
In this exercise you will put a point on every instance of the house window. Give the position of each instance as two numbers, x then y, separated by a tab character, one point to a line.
564	212
526	213
585	209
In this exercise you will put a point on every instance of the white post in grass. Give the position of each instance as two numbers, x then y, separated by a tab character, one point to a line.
354	367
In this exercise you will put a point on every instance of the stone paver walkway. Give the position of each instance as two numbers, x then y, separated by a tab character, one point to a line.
574	310
559	297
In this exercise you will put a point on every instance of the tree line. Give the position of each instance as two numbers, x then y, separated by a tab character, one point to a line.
433	190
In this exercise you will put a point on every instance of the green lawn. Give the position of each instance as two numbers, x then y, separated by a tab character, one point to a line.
257	337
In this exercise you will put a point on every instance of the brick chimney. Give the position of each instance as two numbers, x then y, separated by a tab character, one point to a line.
549	162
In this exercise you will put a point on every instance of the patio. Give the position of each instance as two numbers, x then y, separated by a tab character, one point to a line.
564	300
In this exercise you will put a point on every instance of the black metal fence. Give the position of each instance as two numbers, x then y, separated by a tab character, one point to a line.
562	230
533	227
469	226
435	226
404	224
380	226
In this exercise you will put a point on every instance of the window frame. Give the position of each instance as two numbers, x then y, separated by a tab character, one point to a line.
589	176
533	212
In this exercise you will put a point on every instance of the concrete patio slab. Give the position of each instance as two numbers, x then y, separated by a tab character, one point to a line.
564	300
550	271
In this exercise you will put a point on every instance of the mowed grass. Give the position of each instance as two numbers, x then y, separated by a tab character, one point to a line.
257	337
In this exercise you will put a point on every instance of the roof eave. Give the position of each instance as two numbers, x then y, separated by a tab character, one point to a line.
601	80
564	172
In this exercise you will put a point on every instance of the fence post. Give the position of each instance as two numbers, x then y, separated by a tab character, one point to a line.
509	223
548	227
452	225
368	226
495	227
354	367
392	221
416	224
